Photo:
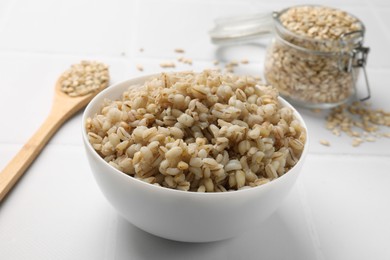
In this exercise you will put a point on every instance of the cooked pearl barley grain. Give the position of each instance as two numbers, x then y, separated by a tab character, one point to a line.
324	142
304	62
167	64
179	50
84	78
198	132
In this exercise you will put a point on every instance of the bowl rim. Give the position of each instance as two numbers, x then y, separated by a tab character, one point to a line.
132	81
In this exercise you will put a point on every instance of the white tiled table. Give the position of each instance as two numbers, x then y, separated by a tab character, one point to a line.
339	209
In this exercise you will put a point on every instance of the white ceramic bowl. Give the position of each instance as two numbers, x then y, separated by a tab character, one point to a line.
179	215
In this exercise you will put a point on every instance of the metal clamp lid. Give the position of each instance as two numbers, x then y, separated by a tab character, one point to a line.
357	58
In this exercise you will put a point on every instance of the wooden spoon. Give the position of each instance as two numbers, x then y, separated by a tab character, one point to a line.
64	106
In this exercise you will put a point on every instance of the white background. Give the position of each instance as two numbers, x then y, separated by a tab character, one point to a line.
339	209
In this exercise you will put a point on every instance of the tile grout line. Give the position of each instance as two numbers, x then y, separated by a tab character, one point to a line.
111	239
384	156
7	14
58	54
309	220
135	31
119	57
378	19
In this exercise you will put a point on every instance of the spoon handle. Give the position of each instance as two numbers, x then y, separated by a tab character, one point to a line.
23	159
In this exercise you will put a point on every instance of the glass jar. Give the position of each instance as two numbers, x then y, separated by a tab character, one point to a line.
308	71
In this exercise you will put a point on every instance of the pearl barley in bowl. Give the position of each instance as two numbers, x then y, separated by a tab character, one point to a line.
194	157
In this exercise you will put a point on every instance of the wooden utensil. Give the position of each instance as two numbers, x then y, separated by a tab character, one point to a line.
64	106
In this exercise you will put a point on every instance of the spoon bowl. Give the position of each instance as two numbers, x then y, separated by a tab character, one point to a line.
63	107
